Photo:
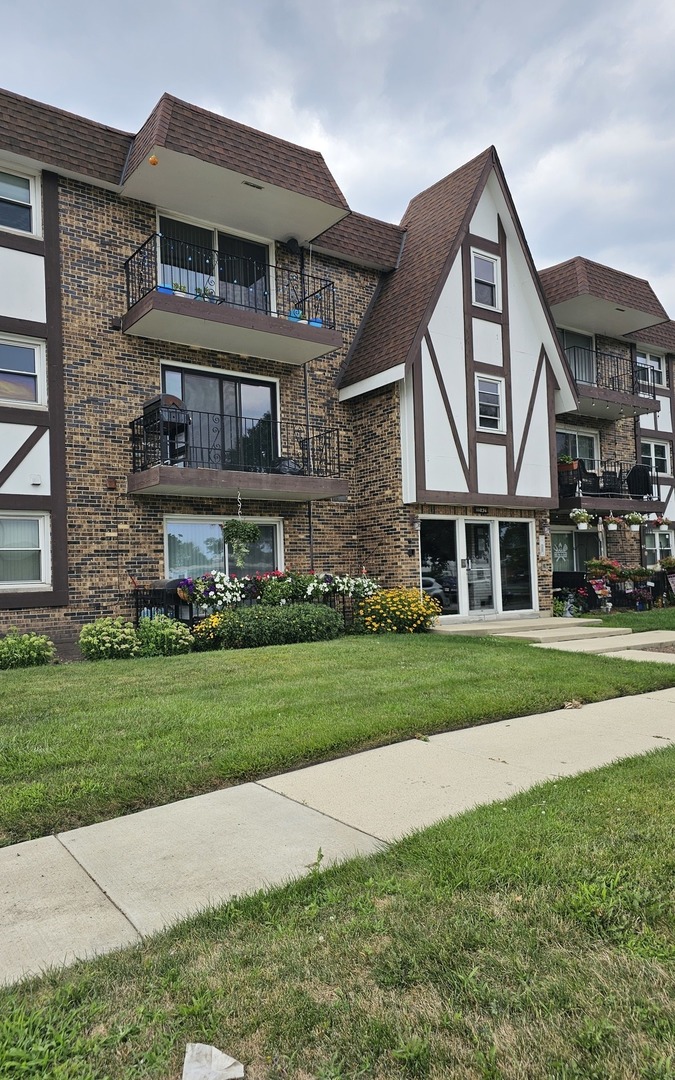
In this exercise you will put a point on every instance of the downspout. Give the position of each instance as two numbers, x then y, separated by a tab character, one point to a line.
310	515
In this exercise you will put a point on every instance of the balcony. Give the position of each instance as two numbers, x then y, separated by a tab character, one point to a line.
179	451
611	386
195	296
610	485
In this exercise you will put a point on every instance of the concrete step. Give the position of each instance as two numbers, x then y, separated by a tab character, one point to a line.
621	639
567	633
449	624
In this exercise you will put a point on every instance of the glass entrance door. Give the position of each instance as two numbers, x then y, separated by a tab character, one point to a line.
438	543
479	566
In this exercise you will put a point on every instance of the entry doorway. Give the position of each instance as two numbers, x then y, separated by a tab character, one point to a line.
478	567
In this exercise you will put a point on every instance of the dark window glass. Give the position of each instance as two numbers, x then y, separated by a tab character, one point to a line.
514	555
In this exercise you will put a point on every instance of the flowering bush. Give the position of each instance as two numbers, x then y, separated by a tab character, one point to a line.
109	639
162	636
398	611
605	568
217	591
25	650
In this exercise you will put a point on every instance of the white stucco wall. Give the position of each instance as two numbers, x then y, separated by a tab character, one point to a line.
22	295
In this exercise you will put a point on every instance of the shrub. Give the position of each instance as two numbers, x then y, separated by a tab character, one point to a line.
250	628
25	650
109	639
163	636
398	611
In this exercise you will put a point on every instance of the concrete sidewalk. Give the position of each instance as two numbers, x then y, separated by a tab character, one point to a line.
109	885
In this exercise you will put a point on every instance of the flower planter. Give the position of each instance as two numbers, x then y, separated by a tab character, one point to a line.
316	322
582	525
165	289
664	528
634	528
612	528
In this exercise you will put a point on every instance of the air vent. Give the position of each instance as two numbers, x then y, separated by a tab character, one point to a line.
249	183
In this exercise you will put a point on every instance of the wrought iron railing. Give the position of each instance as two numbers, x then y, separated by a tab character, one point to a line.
610	372
163	599
591	478
186	438
202	274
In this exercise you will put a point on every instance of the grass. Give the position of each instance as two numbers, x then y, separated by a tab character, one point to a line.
84	742
528	939
657	619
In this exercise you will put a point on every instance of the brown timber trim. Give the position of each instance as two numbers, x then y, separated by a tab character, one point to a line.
448	408
57	443
528	415
494	438
26	502
506	360
481	498
487	314
11	414
494	370
23	327
654	433
16	601
469	367
491	247
19	242
23	451
551	386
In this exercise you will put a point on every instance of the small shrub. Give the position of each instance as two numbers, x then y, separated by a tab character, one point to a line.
109	639
163	636
251	628
398	611
25	650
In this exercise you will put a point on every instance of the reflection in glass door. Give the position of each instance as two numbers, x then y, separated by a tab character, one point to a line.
438	542
479	566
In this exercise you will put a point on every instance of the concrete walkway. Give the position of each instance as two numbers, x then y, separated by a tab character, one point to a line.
109	885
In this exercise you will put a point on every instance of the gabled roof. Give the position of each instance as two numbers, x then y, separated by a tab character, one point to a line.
363	240
187	129
578	277
62	140
435	223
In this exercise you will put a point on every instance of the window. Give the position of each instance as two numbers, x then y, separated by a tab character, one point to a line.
485	280
194	546
572	549
206	263
580	354
650	370
18	203
656	457
22	371
658	545
489	403
232	419
24	546
577	443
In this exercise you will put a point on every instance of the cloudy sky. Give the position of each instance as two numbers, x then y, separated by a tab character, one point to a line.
577	96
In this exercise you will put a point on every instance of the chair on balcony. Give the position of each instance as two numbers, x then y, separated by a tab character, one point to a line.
639	482
166	423
590	481
610	482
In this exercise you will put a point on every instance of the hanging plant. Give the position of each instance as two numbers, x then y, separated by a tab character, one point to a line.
240	535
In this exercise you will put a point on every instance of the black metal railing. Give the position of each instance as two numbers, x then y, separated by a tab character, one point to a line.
611	372
169	435
202	274
591	478
163	599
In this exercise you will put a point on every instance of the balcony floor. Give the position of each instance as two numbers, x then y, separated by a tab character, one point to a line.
224	484
603	504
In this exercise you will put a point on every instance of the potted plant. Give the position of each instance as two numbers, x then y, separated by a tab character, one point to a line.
581	518
179	289
668	564
165	289
567	463
296	314
663	524
612	523
239	535
206	293
634	520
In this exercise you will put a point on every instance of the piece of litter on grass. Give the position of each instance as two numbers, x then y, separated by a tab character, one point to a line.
422	738
573	704
204	1062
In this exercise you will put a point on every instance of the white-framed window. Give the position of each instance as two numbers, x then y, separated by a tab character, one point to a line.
23	374
658	545
485	280
651	370
656	456
578	443
25	561
19	201
490	404
194	546
572	549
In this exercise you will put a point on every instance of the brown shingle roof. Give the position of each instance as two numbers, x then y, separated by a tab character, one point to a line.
61	139
363	240
582	276
187	129
662	336
435	222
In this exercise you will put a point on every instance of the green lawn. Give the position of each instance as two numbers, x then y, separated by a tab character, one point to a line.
83	742
530	939
658	619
